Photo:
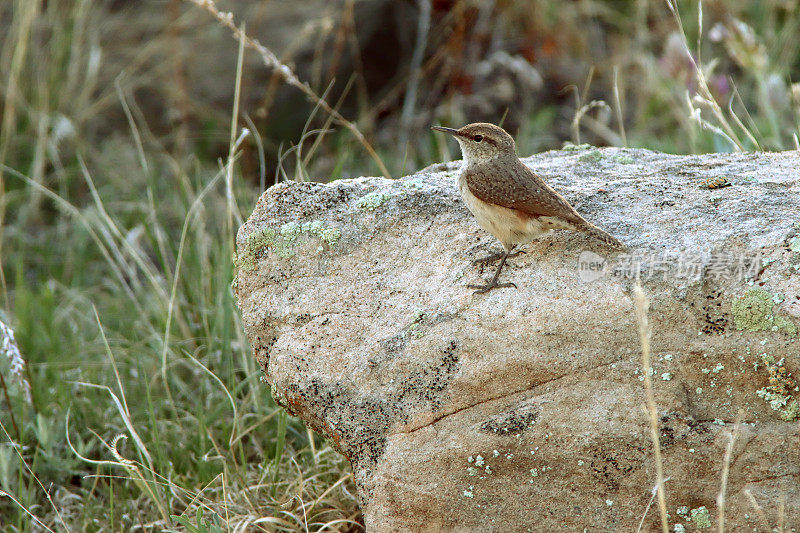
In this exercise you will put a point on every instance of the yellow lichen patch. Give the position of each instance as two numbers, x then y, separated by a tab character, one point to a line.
715	183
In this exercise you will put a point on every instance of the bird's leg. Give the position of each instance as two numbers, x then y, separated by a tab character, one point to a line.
493	283
491	258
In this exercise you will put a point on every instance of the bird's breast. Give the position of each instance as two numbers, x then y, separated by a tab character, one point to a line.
509	226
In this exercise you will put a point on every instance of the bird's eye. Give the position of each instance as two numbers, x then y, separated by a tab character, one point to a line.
478	138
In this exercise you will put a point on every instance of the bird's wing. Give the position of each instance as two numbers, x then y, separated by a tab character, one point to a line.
518	187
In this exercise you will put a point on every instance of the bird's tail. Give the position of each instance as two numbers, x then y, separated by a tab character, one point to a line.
600	235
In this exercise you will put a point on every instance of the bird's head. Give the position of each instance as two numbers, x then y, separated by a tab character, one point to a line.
481	142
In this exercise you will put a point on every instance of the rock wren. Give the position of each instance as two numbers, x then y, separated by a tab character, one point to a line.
507	198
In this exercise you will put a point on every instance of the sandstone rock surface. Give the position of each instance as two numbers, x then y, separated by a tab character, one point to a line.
522	410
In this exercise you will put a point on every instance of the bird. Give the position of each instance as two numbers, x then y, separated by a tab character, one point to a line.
507	198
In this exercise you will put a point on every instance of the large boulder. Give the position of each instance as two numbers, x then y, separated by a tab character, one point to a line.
523	409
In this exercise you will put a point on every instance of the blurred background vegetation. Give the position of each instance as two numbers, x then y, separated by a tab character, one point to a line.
135	402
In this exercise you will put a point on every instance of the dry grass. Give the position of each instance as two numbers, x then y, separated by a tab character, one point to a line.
641	305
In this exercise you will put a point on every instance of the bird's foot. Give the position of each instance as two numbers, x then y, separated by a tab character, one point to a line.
489	286
489	259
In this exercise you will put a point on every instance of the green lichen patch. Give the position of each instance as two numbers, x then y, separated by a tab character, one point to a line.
753	312
780	323
261	238
787	407
623	159
592	156
314	227
331	235
281	241
415	183
415	329
317	228
254	245
290	231
373	200
794	244
778	394
701	517
569	147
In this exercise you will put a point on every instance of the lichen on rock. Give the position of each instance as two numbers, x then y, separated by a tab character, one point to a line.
754	312
779	394
255	244
592	156
624	159
569	147
373	200
281	241
701	517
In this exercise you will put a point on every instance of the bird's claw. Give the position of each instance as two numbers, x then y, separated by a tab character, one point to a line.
489	286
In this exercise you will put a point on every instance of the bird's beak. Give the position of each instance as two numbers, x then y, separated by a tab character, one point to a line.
451	131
